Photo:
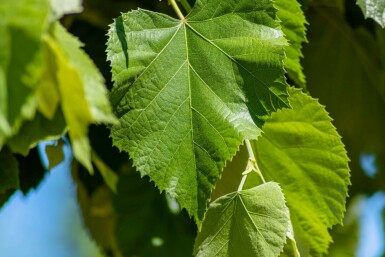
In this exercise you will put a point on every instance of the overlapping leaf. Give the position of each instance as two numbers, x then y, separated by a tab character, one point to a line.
188	92
20	62
293	24
374	9
83	95
301	150
249	223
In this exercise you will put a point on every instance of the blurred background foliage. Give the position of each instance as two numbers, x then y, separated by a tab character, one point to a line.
344	66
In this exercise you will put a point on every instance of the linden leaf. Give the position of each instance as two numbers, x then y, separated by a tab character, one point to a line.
187	93
302	151
293	23
248	223
83	96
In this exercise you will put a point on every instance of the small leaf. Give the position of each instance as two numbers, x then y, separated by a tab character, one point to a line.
302	151
188	92
248	223
108	175
55	154
293	23
374	9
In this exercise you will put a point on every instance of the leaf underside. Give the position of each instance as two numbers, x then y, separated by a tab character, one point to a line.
187	93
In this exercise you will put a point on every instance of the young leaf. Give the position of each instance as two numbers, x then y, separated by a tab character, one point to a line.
249	223
374	9
83	95
20	62
301	150
293	23
187	92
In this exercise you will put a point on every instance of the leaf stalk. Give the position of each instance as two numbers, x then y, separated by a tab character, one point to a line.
252	165
177	10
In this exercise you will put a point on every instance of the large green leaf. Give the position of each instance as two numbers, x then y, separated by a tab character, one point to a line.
22	24
293	23
374	9
188	92
83	96
302	151
248	223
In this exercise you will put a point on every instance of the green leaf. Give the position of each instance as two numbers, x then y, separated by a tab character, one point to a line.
293	23
9	171
188	92
37	130
108	175
248	223
302	151
55	153
83	95
374	9
22	25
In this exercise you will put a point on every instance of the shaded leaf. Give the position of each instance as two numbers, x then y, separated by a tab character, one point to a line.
108	175
248	223
293	24
374	9
188	92
302	151
31	170
37	130
55	154
9	171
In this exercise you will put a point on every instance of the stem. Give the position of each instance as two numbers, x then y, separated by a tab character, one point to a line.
185	5
177	10
240	187
254	160
250	150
